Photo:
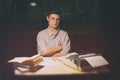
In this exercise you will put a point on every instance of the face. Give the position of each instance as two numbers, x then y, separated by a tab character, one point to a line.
53	20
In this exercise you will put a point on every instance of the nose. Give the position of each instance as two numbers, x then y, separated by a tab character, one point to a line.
56	20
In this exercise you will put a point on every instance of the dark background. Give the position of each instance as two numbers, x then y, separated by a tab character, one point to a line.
93	26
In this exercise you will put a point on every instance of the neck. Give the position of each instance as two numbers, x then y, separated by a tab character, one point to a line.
54	30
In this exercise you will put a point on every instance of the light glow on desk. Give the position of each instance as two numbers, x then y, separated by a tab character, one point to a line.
48	61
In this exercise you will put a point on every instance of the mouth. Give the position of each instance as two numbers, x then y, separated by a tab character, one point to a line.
55	25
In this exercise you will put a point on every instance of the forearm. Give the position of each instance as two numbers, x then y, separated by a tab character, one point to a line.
58	54
51	51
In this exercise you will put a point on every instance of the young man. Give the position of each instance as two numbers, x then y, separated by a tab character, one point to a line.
53	41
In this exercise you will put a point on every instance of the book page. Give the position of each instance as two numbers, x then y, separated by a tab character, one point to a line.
18	59
47	61
96	61
21	59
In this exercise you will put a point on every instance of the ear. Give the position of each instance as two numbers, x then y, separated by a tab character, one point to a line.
47	18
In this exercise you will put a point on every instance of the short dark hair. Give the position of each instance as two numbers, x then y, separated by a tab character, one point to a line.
53	12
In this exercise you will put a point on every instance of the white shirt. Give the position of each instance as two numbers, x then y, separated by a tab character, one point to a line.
46	39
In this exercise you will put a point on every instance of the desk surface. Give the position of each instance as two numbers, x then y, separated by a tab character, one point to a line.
56	69
59	69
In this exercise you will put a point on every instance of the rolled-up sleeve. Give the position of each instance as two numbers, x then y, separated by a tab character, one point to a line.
41	45
66	44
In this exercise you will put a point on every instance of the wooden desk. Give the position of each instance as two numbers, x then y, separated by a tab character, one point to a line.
60	72
56	69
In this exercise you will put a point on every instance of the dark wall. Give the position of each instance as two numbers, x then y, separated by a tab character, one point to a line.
11	9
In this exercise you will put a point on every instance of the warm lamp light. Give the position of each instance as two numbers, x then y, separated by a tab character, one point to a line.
33	4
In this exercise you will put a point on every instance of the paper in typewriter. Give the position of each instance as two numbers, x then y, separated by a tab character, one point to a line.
96	61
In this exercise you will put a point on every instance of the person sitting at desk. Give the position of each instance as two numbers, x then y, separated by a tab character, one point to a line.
53	41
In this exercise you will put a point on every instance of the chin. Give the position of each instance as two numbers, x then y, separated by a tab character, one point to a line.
55	27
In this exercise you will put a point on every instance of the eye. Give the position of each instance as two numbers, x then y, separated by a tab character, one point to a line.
52	18
58	19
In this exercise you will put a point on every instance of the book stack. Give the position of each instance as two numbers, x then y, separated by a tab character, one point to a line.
24	64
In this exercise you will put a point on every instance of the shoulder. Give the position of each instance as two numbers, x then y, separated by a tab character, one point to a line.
42	32
63	32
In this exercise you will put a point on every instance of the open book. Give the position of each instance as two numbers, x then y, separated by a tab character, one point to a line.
27	61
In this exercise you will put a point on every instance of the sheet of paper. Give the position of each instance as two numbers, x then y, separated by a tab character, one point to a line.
96	61
48	61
